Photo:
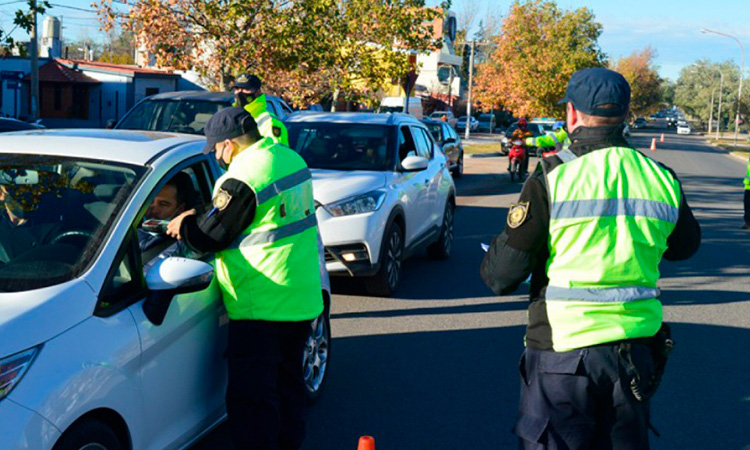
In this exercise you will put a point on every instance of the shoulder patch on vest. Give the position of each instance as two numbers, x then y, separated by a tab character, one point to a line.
517	214
277	131
221	199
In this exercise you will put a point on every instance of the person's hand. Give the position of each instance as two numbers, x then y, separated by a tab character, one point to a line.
173	229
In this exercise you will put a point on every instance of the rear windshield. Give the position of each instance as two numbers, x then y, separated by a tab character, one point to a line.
179	116
54	214
343	146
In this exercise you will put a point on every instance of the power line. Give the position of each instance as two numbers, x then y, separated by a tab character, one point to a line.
57	5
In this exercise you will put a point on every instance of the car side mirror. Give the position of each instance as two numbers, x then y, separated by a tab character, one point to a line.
414	163
172	276
450	140
110	124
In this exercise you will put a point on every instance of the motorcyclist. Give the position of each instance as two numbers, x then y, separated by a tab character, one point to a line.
520	134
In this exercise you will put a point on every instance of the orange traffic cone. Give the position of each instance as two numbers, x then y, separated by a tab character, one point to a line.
366	443
653	145
662	138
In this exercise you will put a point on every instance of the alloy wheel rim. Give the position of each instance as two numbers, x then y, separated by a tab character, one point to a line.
448	224
394	259
315	359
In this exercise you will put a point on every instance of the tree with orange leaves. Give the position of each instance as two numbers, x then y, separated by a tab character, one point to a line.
303	49
539	48
645	85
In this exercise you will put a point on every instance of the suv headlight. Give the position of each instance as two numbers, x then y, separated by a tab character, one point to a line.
13	368
371	201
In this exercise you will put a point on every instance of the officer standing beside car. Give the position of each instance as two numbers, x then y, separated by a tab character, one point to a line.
746	181
263	230
591	227
247	94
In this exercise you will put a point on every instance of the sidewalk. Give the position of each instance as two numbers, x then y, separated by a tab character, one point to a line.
481	144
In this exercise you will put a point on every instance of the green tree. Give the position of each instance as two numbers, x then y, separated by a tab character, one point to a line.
702	79
641	72
539	48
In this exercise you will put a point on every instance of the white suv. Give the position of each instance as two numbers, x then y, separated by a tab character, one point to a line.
383	192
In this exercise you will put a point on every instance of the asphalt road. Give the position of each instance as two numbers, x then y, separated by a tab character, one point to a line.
436	366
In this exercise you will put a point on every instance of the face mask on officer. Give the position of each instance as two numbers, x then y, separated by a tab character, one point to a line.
243	96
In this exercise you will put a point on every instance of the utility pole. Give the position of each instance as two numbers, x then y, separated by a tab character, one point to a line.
721	91
711	111
34	66
471	76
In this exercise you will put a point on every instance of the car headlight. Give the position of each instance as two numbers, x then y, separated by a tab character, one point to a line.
371	201
13	368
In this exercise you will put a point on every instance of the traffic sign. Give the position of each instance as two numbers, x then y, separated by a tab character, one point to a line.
11	75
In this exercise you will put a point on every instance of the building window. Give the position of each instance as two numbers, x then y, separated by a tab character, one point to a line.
151	91
58	98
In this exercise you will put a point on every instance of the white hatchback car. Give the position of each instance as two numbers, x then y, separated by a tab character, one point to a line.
83	363
383	190
683	128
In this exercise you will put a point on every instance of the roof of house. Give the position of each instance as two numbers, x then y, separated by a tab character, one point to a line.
54	72
124	69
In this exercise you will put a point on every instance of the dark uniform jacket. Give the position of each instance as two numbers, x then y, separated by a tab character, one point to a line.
523	250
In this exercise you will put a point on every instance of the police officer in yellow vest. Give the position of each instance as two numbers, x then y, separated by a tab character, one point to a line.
263	230
746	226
247	94
591	226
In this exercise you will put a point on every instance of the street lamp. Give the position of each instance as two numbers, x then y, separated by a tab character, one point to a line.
742	71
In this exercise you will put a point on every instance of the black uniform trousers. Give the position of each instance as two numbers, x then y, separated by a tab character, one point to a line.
265	391
581	399
747	206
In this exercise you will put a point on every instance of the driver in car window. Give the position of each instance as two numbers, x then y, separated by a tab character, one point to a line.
172	200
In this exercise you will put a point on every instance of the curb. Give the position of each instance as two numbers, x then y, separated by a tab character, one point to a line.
483	155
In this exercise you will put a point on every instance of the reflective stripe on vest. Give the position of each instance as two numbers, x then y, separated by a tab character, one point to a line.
283	184
263	119
652	209
270	236
607	295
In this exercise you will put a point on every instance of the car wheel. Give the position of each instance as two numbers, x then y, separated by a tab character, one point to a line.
458	171
315	358
385	282
89	434
444	245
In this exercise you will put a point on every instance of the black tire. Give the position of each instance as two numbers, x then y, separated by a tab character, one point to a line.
442	248
316	357
512	172
458	171
385	282
89	434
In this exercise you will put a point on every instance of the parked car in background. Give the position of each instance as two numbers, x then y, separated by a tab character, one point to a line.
105	344
487	122
450	118
546	124
186	111
461	124
383	191
640	123
683	128
449	141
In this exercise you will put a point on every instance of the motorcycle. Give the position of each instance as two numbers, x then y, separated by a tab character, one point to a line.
516	158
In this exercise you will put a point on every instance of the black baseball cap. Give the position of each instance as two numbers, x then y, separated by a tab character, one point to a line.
246	81
590	89
228	123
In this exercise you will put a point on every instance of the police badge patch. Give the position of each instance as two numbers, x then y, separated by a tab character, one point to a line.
517	214
222	199
277	131
242	79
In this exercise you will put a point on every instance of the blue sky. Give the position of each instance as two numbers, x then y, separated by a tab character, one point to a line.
671	27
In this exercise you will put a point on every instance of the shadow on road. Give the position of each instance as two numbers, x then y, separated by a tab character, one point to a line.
456	278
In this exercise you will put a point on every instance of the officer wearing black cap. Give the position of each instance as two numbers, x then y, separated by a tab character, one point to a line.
590	227
248	95
263	231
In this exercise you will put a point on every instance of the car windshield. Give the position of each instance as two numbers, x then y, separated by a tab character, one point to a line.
343	146
54	215
545	126
391	109
180	116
